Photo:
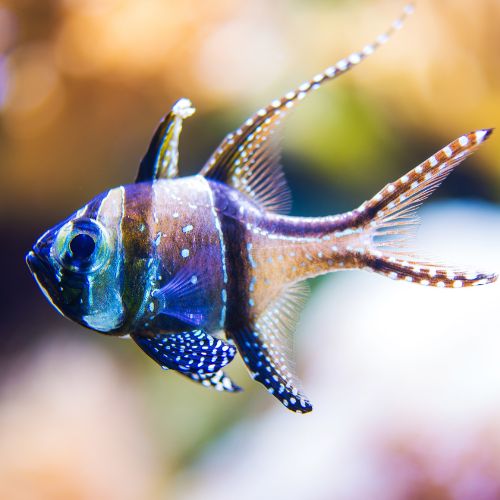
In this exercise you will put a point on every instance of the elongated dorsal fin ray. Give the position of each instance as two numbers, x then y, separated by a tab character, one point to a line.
235	160
267	348
391	218
161	158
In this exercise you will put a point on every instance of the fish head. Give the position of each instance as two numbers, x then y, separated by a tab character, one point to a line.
77	266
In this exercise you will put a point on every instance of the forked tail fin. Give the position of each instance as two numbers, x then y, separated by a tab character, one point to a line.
390	219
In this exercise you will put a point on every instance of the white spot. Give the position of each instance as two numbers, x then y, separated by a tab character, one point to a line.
463	141
368	49
419	169
378	197
304	86
261	112
342	64
355	58
409	9
349	248
405	178
175	215
428	176
390	188
187	228
290	95
151	306
251	302
393	275
194	280
185	253
381	39
425	282
433	161
320	255
448	151
457	284
330	71
440	284
409	278
397	24
414	185
318	77
480	135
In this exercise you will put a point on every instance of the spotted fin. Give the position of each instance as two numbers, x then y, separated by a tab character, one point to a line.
266	347
160	160
249	159
193	352
218	380
390	217
183	296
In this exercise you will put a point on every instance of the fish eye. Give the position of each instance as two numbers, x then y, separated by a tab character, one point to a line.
82	246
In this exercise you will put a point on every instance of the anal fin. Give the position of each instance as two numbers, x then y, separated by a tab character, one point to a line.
266	347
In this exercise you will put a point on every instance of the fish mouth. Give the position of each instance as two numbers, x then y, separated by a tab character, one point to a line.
44	277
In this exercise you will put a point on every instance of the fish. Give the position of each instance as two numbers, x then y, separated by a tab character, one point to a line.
197	269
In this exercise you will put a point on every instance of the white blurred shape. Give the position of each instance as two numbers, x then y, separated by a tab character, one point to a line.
242	55
406	386
71	428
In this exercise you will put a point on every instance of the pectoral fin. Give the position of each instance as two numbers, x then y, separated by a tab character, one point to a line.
183	297
190	353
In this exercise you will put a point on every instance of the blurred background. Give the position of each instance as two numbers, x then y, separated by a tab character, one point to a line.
405	380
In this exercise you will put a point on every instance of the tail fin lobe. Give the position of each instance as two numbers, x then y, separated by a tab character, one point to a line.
390	216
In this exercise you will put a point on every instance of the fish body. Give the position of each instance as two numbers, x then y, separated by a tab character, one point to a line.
179	263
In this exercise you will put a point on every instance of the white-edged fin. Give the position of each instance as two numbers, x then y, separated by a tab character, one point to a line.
162	156
248	159
390	217
267	348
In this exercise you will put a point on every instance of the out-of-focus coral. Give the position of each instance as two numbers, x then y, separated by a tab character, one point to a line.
73	426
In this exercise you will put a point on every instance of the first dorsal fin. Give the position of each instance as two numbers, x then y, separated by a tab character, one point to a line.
266	347
248	159
160	160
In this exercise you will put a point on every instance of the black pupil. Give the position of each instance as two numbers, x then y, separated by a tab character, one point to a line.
82	246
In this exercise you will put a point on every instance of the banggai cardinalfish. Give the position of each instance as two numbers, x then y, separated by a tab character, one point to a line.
194	269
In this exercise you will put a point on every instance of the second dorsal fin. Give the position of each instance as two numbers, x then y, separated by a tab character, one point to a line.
248	159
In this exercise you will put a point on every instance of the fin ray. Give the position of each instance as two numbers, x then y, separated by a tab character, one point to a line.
267	348
391	218
255	145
